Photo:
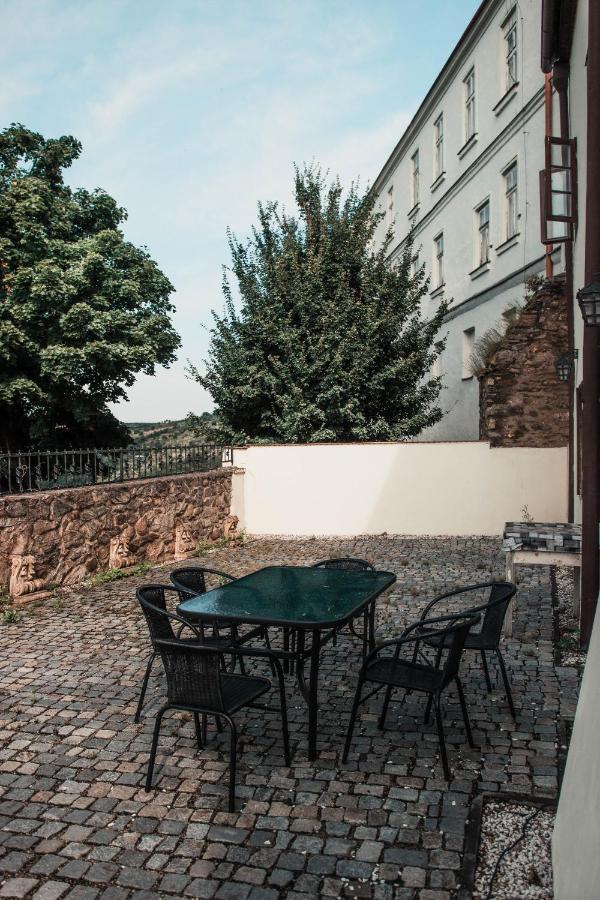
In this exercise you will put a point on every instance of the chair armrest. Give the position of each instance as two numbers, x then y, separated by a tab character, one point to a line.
461	590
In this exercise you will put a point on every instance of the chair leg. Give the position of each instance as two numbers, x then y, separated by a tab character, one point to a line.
384	708
506	682
232	763
198	728
204	727
465	714
154	745
267	640
438	659
441	738
138	711
486	672
350	731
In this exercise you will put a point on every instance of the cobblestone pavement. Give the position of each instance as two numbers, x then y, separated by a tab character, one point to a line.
75	821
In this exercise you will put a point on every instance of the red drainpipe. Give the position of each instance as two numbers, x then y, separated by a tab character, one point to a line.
548	133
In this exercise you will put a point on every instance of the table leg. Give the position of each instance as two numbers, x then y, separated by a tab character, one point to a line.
372	627
286	647
313	699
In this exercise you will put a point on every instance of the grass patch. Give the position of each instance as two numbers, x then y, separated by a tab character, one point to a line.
9	617
116	574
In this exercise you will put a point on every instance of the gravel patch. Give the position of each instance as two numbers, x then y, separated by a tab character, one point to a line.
568	626
525	872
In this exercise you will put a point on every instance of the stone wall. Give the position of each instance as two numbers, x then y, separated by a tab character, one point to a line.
61	537
522	402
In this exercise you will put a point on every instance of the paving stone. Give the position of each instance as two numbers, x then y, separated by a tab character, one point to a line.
75	821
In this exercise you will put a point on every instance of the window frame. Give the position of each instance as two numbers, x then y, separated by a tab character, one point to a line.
511	53
469	105
468	345
389	208
415	177
438	242
438	146
480	229
511	201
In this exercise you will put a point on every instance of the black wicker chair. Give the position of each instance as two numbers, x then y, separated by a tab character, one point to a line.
487	638
392	672
160	600
196	682
357	565
191	581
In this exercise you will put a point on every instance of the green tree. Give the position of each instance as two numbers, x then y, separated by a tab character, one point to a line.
82	311
327	341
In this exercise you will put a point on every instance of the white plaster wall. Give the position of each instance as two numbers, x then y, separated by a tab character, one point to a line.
578	129
576	838
516	132
399	488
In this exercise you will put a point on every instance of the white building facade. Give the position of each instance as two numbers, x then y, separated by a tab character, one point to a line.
464	178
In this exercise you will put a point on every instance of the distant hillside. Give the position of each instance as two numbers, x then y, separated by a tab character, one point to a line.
167	433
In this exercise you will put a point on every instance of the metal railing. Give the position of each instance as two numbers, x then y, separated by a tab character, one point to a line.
48	470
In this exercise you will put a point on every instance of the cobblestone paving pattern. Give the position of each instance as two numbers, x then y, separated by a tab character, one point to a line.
76	823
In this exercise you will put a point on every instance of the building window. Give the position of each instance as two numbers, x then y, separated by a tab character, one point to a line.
511	50
469	88
438	261
482	254
438	146
415	177
389	210
511	201
415	264
467	351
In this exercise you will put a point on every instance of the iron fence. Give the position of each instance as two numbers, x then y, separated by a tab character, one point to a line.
47	470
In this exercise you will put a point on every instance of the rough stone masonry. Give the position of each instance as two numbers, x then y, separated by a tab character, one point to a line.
522	402
62	537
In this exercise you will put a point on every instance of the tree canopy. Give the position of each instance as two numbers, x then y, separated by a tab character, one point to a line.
323	339
82	310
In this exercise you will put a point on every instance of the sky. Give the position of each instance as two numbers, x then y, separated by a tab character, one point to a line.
191	111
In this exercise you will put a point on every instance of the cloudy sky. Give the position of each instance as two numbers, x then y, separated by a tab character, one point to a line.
190	111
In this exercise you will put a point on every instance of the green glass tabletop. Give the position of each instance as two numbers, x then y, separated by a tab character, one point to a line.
290	595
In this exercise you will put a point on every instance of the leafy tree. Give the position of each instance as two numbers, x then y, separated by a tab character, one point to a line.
82	311
328	342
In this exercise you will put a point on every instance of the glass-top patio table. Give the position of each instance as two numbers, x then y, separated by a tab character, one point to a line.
303	601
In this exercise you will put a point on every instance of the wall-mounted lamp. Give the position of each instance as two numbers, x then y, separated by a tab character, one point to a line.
564	364
589	302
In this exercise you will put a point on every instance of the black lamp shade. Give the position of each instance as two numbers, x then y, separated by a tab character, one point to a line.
563	367
589	303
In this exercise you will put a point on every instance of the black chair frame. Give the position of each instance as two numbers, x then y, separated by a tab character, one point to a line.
178	578
488	638
214	640
361	565
196	646
456	628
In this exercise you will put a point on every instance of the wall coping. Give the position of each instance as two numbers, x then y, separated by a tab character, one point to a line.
211	474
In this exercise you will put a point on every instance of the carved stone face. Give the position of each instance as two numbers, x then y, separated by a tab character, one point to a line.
230	526
119	552
184	541
22	576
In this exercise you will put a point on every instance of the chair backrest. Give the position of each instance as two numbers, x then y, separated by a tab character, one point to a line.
191	580
192	670
454	636
501	593
153	600
345	562
193	675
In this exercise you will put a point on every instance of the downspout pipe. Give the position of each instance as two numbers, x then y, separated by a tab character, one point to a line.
560	79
